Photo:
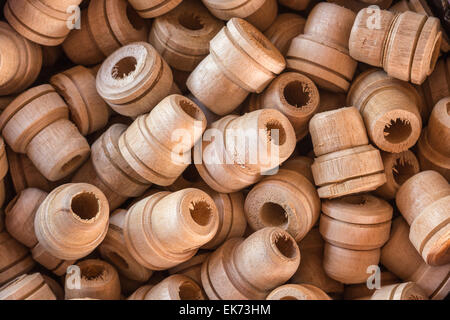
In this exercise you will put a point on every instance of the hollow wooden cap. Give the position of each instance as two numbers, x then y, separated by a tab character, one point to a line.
176	287
439	128
298	292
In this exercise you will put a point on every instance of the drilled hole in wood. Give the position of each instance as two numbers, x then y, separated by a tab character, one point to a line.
402	170
190	21
93	272
191	109
188	291
124	68
285	246
273	215
397	130
200	212
297	94
273	125
85	205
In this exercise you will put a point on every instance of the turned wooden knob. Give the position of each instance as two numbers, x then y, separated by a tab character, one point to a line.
98	280
433	148
287	200
166	229
285	28
241	60
345	163
192	268
400	257
159	154
176	287
437	85
298	292
105	27
229	273
153	8
294	95
134	79
409	56
322	51
27	287
87	109
424	201
390	108
43	22
398	168
36	123
114	250
72	221
22	61
311	269
403	291
298	5
182	35
260	13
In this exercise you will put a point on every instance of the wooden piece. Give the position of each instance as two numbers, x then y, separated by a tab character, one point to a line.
401	258
287	200
99	280
298	5
437	85
285	28
298	292
106	25
72	221
322	51
3	170
229	273
424	201
220	82
345	163
403	291
87	109
182	36
176	287
398	168
360	291
294	95
134	79
391	110
192	268
243	149
140	293
54	286
159	154
153	8
36	123
27	287
357	5
433	148
21	61
114	250
44	22
406	55
260	13
166	229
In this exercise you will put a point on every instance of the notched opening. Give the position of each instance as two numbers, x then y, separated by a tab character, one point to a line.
297	94
200	212
273	215
93	273
191	109
188	291
285	245
275	129
124	68
402	170
190	21
397	130
85	205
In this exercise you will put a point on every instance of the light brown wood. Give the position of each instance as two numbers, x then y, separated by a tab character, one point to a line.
360	291
357	5
322	51
298	292
295	4
408	55
54	286
106	25
166	229
192	268
3	170
424	201
153	8
98	280
220	82
140	293
285	28
437	85
27	287
176	287
229	272
403	291
21	61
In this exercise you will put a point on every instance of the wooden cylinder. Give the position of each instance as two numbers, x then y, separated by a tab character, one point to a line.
182	35
408	56
229	273
105	27
400	257
437	85
243	148
345	163
287	200
424	200
36	123
98	280
159	154
321	52
398	168
140	293
87	109
45	22
298	292
27	287
391	110
72	221
260	13
294	95
403	291
166	229
298	5
176	287
134	79
192	268
21	61
433	148
153	8
114	250
241	60
357	5
285	28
